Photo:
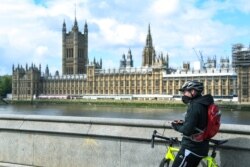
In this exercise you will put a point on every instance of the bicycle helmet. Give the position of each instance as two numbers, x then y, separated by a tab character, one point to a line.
198	86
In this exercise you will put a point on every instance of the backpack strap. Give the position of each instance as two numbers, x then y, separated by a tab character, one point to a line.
199	130
195	137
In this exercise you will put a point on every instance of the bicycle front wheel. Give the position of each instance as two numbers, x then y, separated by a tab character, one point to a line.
164	162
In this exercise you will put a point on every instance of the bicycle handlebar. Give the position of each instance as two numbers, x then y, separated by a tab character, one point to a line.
153	139
173	140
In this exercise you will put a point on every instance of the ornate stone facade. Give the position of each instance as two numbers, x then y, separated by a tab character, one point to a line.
26	82
241	62
74	50
154	77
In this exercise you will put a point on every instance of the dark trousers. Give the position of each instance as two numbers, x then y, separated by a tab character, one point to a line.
185	158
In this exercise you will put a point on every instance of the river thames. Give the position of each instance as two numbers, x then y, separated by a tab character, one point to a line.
228	117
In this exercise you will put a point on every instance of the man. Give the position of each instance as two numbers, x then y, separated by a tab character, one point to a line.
191	151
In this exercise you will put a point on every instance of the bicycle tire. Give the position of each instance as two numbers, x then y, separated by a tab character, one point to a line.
164	162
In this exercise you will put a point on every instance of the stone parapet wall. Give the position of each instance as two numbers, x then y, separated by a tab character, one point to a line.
85	141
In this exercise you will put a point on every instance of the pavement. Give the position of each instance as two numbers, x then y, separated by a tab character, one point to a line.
12	165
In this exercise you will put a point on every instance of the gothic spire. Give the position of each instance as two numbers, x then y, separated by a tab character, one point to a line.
47	71
85	28
64	26
149	42
75	27
129	56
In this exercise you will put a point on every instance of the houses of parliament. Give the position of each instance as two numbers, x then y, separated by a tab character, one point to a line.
155	79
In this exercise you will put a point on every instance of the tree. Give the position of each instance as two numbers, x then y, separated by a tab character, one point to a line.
5	85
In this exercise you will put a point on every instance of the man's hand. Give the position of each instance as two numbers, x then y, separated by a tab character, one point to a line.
176	124
180	122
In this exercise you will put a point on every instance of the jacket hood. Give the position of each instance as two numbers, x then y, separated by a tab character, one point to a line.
205	100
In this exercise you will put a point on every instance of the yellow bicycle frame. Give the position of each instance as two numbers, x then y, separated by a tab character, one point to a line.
171	156
210	161
170	153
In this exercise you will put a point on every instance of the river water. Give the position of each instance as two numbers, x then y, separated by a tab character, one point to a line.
228	117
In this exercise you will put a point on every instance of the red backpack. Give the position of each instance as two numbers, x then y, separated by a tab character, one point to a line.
213	124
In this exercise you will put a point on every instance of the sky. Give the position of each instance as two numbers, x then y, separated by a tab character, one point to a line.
31	30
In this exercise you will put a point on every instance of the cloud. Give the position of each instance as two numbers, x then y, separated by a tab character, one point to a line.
25	33
115	33
241	5
30	31
163	7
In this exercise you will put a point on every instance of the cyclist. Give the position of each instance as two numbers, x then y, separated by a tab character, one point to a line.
191	151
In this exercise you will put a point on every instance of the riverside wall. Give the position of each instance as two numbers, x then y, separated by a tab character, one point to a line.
58	141
138	103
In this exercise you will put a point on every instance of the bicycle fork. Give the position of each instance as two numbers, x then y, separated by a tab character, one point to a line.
170	153
211	159
210	162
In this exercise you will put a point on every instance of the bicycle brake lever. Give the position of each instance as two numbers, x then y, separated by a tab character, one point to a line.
175	139
152	142
152	139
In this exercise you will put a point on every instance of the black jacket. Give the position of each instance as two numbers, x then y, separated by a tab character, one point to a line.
196	117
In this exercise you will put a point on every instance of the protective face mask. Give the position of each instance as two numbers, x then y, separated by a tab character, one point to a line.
186	99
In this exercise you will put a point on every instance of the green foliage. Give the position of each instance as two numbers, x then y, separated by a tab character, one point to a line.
5	85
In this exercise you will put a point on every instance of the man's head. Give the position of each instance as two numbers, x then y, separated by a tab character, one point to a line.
192	85
191	89
190	93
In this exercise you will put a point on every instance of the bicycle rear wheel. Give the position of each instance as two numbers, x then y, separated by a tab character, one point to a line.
164	162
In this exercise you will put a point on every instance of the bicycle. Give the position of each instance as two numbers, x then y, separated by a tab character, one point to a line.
171	151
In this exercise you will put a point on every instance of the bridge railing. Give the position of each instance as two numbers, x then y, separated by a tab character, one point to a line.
85	141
